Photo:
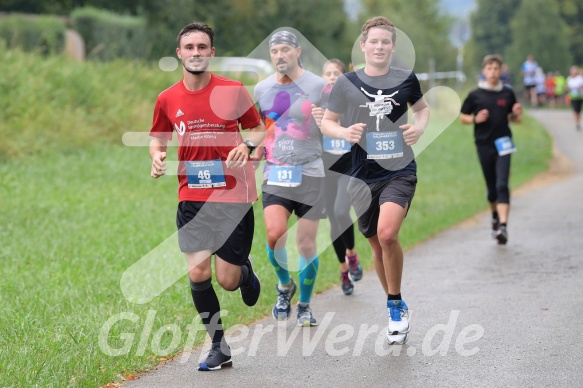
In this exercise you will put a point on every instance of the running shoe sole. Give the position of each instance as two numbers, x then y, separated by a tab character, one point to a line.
396	339
348	292
307	324
204	368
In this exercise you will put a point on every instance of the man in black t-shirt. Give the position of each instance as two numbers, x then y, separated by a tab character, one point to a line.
374	102
490	107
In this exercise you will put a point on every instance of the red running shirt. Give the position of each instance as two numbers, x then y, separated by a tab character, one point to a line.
206	123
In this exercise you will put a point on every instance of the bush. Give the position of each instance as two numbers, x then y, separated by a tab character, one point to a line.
109	35
44	34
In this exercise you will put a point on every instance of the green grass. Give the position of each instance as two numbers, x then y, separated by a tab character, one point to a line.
74	215
52	102
451	185
72	222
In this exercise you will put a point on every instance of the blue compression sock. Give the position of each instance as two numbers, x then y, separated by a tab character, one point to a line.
280	269
307	276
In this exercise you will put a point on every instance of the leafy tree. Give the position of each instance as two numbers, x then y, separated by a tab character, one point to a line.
165	19
425	25
490	29
241	25
537	28
23	6
324	24
572	13
64	7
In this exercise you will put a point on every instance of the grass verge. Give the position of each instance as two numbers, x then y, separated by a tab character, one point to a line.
72	220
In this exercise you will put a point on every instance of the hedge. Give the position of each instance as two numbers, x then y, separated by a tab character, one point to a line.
109	35
43	34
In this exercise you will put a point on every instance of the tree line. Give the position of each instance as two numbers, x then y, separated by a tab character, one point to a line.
240	25
551	30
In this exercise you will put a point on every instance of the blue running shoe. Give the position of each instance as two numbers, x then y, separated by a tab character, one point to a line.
305	316
282	308
217	358
398	322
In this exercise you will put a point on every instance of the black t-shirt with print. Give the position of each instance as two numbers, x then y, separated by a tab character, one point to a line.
382	104
499	105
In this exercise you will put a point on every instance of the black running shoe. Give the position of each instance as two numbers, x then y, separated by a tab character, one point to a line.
250	292
217	358
495	226
502	235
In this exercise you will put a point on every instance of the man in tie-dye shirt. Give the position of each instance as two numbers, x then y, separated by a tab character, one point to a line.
289	103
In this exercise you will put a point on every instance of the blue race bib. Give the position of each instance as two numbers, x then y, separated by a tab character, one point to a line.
335	146
504	145
205	174
287	176
384	145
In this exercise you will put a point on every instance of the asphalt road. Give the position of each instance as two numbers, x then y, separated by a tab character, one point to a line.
481	314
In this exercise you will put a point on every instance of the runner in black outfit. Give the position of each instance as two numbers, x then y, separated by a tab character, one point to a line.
338	164
490	107
375	103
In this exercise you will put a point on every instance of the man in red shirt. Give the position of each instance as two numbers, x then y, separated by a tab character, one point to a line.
216	184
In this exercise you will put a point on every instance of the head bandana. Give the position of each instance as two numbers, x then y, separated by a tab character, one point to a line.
284	37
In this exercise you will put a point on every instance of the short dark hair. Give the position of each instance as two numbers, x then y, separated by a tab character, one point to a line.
196	26
381	22
491	58
337	62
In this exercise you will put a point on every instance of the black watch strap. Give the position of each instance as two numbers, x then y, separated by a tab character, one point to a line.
250	145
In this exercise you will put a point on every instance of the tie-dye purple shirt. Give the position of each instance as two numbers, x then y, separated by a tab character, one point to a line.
293	138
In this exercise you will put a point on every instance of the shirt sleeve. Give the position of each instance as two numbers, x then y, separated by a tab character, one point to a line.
161	126
250	118
416	93
325	96
511	100
337	98
257	95
468	105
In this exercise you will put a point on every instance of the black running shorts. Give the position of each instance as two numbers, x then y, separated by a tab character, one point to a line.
226	229
306	200
368	198
576	104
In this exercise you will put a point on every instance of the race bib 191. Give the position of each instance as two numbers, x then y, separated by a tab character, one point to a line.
205	174
287	176
384	145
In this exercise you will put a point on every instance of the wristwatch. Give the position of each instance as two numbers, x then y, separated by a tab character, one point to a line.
250	145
